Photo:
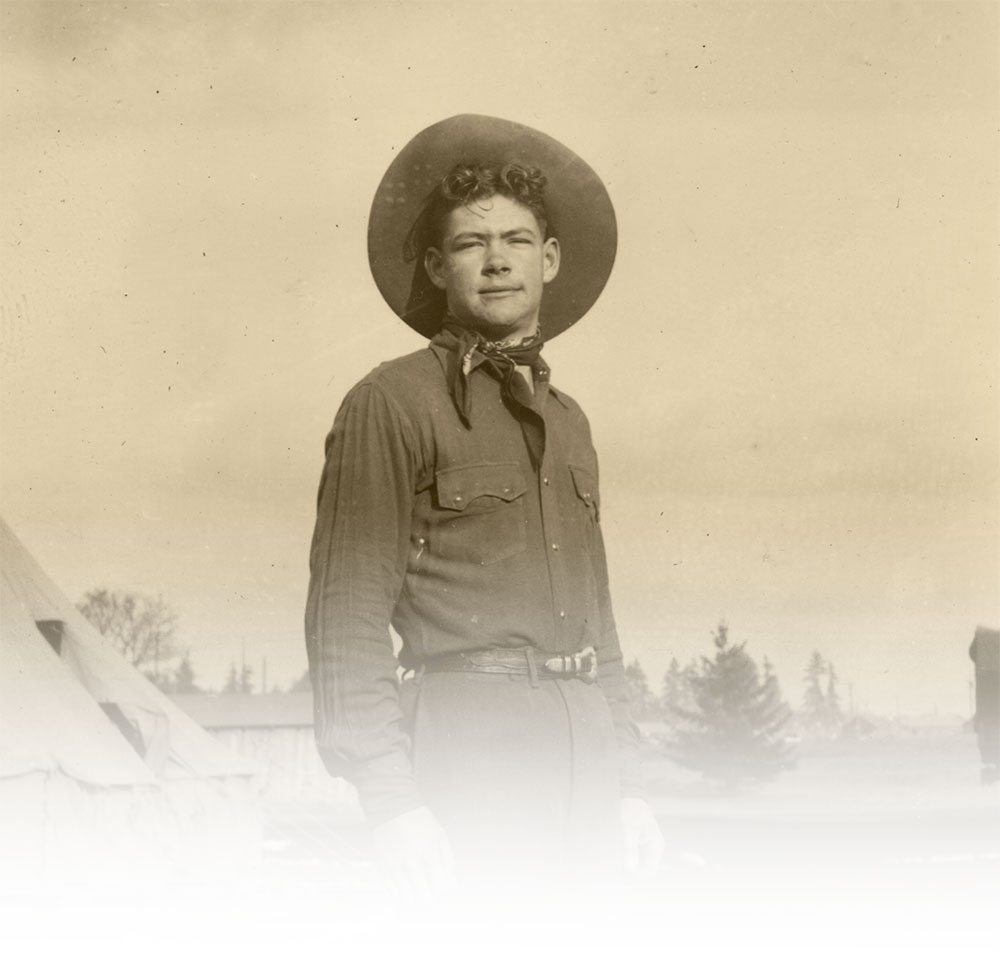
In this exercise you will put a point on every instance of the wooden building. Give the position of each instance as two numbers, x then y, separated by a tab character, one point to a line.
275	730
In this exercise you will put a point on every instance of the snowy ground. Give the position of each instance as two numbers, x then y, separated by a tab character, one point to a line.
885	852
877	847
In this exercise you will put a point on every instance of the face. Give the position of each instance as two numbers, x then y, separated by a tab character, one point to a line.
493	264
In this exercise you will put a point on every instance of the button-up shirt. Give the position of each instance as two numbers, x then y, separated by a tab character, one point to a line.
445	531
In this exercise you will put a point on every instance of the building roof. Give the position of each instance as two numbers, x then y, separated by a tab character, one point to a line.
248	709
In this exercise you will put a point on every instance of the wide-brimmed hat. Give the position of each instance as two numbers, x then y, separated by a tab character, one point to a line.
580	213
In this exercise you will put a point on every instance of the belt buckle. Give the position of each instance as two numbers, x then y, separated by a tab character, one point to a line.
582	664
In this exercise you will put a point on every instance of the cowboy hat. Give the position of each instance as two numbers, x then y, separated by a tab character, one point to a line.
580	212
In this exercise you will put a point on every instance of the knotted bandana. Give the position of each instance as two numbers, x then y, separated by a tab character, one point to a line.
468	350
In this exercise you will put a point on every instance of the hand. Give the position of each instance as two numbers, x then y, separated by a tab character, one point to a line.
414	855
644	842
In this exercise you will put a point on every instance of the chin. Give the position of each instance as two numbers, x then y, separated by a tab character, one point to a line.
496	326
496	329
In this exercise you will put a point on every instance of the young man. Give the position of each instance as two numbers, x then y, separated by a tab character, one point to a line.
460	504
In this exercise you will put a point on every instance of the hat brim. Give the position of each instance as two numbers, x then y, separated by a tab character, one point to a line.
577	201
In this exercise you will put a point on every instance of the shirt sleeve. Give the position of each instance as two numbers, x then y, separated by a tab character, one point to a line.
611	675
357	566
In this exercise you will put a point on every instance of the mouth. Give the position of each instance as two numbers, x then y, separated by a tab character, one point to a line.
498	290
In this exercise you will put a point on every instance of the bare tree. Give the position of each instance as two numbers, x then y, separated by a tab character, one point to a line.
140	627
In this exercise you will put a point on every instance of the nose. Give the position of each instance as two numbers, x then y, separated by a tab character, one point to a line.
496	263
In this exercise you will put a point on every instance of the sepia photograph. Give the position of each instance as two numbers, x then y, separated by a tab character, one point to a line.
487	482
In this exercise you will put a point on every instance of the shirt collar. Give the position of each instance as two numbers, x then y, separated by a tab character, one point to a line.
541	379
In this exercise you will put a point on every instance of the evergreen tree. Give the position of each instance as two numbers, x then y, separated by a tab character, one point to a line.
772	706
673	690
239	680
814	701
642	701
246	679
736	730
821	713
677	696
833	709
184	680
232	684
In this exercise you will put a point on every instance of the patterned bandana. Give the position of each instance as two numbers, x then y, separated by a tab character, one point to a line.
468	351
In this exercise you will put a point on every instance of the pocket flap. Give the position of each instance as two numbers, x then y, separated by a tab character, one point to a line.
586	485
457	488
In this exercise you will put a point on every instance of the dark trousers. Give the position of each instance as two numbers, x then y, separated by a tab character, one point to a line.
524	778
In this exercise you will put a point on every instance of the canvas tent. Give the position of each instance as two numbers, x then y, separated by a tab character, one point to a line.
99	769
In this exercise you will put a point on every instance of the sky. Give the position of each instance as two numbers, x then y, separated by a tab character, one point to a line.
791	375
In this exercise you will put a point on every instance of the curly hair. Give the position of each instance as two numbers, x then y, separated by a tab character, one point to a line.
467	183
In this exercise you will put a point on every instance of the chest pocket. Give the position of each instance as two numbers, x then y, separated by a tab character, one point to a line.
482	513
587	505
585	485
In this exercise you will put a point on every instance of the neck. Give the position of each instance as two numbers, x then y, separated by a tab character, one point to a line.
498	332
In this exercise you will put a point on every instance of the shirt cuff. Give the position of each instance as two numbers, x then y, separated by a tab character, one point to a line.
631	782
386	787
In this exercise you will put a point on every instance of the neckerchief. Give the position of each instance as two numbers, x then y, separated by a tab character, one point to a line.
468	350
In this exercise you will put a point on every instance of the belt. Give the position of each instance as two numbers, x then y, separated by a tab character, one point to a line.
517	661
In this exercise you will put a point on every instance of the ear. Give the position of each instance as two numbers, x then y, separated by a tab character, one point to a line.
550	260
434	266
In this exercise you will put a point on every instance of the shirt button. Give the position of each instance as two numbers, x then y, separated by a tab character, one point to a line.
562	614
421	541
555	546
458	499
545	481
